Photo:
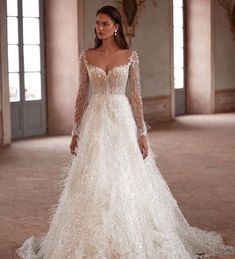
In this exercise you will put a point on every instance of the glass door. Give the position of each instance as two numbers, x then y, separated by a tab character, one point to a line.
178	32
25	67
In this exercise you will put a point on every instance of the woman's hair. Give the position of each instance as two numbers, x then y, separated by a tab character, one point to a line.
115	15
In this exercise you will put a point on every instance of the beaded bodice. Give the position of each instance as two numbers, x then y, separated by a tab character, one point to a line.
112	82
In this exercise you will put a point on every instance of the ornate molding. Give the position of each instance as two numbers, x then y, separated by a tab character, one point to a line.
229	6
130	11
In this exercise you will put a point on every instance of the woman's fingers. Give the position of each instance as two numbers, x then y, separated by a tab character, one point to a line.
73	145
144	151
71	150
143	146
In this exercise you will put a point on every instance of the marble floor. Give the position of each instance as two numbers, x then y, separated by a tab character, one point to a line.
195	154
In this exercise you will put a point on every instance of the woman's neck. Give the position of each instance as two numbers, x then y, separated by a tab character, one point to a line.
109	45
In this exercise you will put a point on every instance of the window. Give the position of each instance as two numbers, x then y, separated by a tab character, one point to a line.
178	32
24	50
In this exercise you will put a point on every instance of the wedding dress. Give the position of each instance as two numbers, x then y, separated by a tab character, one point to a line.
114	203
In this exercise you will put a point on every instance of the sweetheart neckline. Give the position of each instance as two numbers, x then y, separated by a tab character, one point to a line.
110	70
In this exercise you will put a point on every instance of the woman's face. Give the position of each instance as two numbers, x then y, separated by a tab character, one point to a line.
105	26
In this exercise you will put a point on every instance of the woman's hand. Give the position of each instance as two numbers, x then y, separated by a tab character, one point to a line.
74	144
143	146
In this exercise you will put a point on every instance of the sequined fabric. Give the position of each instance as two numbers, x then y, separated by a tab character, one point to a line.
114	204
111	83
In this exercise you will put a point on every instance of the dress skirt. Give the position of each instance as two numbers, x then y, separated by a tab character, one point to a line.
114	203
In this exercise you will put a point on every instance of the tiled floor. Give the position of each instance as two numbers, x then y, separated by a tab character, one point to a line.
195	154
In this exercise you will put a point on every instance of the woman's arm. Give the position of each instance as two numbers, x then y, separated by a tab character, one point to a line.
135	98
81	96
137	103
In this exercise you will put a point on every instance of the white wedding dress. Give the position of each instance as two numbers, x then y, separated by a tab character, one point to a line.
114	203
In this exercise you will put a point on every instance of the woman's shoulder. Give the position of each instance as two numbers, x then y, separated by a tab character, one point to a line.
86	52
89	50
91	53
128	51
133	56
128	54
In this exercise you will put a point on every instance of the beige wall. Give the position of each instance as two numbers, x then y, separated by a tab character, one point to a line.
153	40
210	58
199	56
224	52
224	62
62	63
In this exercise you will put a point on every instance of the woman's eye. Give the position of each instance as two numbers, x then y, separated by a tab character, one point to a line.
101	24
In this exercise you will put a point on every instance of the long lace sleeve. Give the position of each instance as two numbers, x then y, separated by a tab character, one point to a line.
135	94
82	94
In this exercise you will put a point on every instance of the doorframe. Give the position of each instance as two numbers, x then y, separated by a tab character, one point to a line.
171	50
184	89
23	104
4	84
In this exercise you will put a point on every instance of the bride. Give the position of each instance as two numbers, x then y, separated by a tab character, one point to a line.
115	203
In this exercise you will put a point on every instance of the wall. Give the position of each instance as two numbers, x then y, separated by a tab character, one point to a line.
224	61
62	63
199	56
210	58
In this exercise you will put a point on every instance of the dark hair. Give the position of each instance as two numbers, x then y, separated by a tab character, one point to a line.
115	15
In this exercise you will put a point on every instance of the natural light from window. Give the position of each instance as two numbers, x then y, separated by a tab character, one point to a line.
178	32
23	27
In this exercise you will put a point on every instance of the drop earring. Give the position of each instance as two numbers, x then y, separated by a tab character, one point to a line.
115	32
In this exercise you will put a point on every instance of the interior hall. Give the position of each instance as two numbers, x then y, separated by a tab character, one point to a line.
187	70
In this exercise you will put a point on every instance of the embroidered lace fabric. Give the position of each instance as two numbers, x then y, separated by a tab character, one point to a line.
112	82
114	204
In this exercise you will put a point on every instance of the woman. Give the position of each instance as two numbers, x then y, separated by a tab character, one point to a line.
115	203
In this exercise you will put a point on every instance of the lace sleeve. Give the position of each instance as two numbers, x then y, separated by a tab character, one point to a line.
135	94
82	94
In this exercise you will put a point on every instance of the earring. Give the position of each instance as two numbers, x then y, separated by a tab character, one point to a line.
115	32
